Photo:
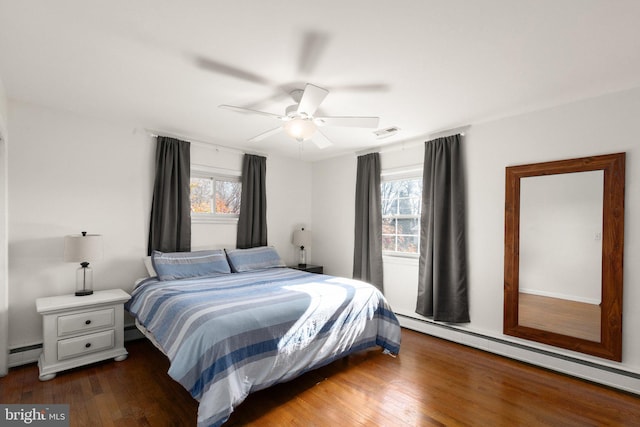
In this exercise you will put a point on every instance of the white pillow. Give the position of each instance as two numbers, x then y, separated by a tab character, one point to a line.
149	265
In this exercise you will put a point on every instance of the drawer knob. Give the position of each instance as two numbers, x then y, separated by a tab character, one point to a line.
87	345
87	322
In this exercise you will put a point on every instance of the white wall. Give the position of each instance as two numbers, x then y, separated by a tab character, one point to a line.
596	126
334	192
69	173
4	288
288	204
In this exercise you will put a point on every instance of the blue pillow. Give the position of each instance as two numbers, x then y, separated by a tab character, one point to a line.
254	258
182	265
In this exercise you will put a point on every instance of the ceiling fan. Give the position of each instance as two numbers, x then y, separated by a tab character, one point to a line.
299	120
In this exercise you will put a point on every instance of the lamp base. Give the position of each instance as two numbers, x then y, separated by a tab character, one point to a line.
83	293
302	261
84	280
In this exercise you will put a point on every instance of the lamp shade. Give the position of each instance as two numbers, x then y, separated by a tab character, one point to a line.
302	238
82	247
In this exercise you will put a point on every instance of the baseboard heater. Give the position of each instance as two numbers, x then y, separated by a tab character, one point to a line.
26	348
520	346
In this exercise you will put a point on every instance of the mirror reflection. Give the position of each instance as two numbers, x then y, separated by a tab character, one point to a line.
564	240
561	253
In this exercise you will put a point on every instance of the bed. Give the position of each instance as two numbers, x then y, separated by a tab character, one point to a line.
235	322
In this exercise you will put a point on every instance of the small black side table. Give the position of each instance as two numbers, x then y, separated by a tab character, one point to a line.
308	267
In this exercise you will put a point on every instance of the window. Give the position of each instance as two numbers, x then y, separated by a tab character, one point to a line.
401	203
215	197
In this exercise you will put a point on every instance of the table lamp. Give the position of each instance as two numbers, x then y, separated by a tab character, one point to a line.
83	248
302	239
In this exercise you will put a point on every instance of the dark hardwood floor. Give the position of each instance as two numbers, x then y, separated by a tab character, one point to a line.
431	383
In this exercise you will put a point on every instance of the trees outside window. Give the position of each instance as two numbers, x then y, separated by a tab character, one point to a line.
401	203
215	197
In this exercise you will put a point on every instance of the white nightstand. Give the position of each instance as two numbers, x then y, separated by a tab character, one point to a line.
81	330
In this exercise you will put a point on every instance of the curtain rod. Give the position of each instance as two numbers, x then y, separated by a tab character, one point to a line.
449	132
203	143
415	141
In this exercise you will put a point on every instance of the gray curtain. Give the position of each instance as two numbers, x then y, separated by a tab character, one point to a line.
170	225
252	224
367	252
442	277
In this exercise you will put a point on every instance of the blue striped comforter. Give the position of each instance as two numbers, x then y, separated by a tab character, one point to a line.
230	335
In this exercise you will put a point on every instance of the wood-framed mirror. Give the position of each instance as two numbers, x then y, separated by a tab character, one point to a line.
563	253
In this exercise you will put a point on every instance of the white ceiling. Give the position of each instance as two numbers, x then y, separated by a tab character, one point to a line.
423	66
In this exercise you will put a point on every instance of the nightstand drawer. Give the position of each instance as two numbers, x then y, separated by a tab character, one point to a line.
89	320
73	347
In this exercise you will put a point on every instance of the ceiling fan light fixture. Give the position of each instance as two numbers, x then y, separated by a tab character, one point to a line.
300	129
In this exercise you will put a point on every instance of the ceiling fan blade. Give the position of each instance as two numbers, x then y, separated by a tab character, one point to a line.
230	70
312	47
250	111
312	97
347	121
321	140
366	87
269	101
266	134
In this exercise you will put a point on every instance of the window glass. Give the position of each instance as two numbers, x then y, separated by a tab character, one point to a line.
227	197
201	195
215	197
401	203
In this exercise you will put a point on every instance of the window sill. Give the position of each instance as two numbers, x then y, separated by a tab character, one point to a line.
213	220
407	259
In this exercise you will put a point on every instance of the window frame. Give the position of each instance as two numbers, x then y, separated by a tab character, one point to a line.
215	174
407	173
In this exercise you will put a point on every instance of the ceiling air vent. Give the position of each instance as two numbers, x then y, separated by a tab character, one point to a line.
386	132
